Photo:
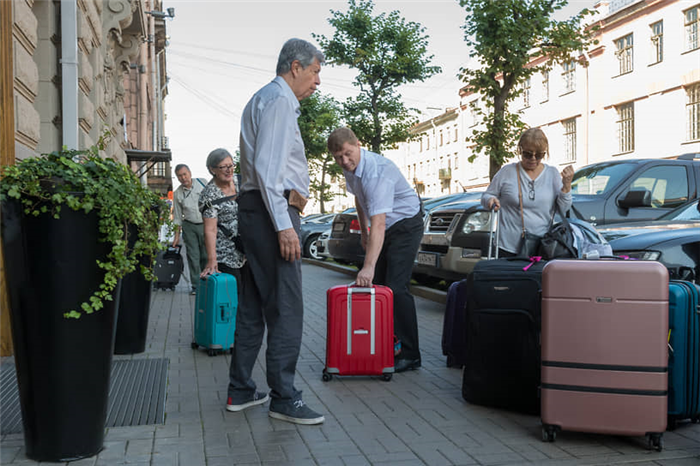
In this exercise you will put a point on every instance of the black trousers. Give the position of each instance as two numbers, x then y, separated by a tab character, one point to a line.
271	297
393	269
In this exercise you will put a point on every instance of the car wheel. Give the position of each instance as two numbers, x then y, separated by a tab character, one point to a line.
310	249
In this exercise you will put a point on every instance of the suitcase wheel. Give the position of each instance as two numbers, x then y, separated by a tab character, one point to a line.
655	442
194	345
326	376
387	377
212	352
549	433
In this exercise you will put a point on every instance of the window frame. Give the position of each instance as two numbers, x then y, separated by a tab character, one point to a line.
692	106
691	28
625	127
569	137
657	42
624	52
569	76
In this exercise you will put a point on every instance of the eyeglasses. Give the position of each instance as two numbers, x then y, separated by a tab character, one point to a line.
531	192
533	155
225	168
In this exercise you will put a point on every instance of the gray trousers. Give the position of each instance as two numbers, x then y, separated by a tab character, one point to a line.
193	235
393	269
270	295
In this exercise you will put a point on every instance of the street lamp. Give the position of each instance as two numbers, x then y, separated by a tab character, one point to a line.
161	14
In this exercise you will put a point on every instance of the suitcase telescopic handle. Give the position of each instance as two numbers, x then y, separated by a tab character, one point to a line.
494	230
352	289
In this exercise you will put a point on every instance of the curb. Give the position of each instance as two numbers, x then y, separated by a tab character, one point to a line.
416	290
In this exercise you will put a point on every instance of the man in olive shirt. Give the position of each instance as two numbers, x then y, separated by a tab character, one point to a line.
186	216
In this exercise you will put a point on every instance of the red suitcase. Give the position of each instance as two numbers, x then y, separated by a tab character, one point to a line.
605	348
360	337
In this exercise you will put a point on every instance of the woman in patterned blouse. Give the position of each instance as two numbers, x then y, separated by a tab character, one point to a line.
221	219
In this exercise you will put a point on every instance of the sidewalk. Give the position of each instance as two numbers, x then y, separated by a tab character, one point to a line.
418	418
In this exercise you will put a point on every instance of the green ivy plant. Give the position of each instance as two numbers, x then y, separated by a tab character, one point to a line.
82	180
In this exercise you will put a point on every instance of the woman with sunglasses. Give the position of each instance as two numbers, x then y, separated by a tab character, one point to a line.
220	214
526	192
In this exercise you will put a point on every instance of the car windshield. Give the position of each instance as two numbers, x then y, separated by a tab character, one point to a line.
597	179
685	212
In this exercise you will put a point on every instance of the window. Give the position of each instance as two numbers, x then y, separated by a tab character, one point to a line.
668	185
455	133
421	144
691	28
657	42
474	112
693	112
427	142
624	54
456	162
526	93
570	140
625	127
440	137
159	169
569	76
545	86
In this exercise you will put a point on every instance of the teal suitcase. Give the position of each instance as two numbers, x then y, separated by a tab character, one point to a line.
215	313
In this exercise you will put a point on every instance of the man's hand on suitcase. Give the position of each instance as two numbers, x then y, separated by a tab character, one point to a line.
365	276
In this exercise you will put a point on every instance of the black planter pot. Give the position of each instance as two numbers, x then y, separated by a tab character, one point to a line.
63	365
134	307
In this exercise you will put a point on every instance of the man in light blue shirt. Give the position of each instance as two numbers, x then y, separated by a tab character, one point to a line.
386	201
274	187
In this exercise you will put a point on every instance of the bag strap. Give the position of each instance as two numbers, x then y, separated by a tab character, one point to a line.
201	182
520	200
209	204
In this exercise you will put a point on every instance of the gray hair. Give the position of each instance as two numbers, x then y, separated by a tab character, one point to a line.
298	49
180	166
215	157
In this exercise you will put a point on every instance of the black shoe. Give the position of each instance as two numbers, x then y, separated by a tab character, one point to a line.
402	365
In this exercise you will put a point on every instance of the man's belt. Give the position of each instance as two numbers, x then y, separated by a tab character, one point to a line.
295	199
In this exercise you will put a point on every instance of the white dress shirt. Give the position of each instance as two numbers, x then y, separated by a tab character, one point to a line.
380	188
272	151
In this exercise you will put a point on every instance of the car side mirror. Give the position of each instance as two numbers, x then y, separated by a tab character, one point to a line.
636	197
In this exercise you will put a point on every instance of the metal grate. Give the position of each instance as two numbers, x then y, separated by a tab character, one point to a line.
137	390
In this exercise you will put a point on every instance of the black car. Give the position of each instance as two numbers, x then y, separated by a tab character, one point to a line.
345	246
631	190
673	240
310	231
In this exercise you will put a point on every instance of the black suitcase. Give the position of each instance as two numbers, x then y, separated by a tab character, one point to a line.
454	324
502	363
168	268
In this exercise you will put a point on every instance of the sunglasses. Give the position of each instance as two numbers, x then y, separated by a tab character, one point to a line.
526	154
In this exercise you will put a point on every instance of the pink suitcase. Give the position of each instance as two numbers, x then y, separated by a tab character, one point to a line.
360	338
605	348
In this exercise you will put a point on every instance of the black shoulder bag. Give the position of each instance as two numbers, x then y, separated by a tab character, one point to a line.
209	204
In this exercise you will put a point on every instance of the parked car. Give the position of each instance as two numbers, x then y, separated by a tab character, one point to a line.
310	231
673	240
345	242
455	238
322	245
638	189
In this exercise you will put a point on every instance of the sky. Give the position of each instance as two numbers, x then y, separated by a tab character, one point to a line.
221	52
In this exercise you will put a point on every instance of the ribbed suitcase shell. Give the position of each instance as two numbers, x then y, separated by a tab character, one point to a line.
215	312
604	346
684	359
360	339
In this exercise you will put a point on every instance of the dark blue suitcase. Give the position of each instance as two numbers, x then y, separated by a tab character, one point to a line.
684	352
454	331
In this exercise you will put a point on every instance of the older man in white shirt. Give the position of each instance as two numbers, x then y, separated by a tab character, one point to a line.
386	201
274	187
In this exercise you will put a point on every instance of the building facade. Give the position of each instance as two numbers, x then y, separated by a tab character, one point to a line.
74	71
635	94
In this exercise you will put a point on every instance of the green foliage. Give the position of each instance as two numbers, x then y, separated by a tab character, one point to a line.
82	180
505	36
387	51
320	115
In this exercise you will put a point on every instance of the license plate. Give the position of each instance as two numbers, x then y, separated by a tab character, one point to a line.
338	226
427	258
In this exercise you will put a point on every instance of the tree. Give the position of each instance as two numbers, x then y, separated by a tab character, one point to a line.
387	51
506	36
319	116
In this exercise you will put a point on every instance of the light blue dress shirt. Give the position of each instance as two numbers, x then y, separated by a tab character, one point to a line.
380	188
272	151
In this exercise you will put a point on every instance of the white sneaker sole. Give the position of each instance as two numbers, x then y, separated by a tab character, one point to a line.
236	408
296	420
